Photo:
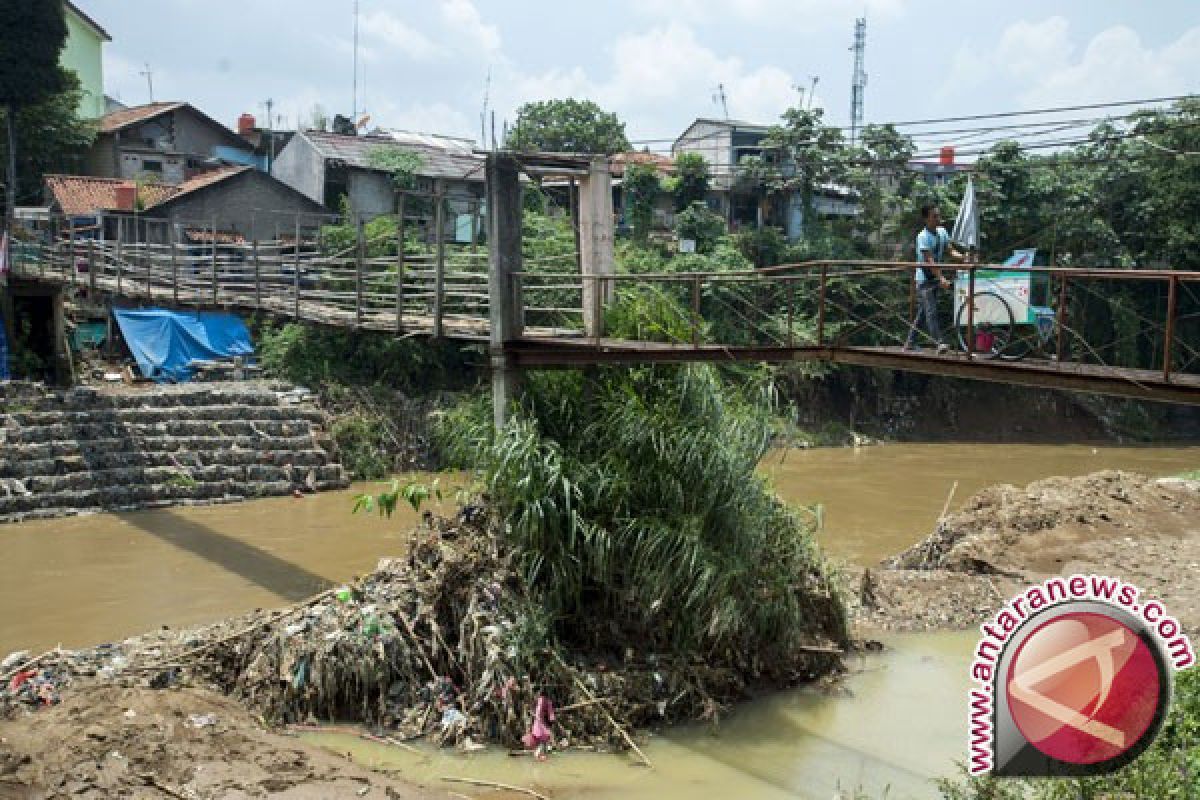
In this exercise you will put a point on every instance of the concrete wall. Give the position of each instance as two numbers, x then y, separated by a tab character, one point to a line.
244	204
715	143
134	165
371	193
82	54
299	166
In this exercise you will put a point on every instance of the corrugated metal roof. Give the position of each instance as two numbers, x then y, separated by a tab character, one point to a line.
441	157
125	117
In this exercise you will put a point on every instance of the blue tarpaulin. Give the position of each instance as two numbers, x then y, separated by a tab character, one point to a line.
165	343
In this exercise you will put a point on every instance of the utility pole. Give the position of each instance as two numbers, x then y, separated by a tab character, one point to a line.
149	76
858	87
487	91
270	104
354	99
812	93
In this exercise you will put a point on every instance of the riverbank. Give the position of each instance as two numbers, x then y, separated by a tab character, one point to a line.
1143	530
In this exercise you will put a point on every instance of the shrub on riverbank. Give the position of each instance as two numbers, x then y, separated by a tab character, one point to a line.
631	503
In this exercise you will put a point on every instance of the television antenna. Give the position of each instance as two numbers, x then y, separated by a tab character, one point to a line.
719	97
149	76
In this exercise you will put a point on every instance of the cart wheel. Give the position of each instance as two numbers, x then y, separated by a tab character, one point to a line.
995	309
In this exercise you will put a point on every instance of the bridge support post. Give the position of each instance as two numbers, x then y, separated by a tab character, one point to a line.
596	244
504	300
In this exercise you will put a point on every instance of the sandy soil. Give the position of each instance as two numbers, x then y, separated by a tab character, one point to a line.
104	742
1142	530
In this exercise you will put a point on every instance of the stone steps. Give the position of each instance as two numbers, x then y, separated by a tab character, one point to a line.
84	450
109	459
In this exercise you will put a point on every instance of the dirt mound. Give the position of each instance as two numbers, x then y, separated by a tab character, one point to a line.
1143	530
1006	529
104	742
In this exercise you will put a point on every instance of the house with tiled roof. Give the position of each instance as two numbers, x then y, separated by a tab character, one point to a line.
235	202
326	167
165	142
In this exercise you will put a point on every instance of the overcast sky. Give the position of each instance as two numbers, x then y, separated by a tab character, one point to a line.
657	63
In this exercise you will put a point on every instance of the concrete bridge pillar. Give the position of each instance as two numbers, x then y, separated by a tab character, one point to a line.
596	244
504	215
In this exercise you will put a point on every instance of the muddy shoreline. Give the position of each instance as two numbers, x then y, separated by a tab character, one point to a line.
155	717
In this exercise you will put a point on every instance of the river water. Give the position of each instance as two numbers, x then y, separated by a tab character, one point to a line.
85	580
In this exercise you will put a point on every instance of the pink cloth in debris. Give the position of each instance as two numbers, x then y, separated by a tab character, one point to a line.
543	713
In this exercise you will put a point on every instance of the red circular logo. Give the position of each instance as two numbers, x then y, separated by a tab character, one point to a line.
1083	688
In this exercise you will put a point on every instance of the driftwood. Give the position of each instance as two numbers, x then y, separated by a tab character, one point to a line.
611	721
495	785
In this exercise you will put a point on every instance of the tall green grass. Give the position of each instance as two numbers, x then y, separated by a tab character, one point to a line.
633	506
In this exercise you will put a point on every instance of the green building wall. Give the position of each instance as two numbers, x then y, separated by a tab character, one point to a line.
83	54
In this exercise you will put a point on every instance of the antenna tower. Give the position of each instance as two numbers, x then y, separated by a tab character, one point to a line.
354	99
719	97
859	86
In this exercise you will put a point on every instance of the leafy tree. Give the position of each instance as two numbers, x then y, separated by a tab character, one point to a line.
32	33
642	188
691	180
50	138
568	126
804	153
701	225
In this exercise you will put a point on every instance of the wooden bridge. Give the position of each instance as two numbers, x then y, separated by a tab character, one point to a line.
556	312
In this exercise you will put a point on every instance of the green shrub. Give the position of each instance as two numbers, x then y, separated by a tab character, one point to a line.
363	447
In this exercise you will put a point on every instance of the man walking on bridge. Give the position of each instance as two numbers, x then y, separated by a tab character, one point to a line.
933	244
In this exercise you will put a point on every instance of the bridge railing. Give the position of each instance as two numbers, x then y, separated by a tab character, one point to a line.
438	287
1060	318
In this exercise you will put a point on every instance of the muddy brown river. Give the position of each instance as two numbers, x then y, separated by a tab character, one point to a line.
85	580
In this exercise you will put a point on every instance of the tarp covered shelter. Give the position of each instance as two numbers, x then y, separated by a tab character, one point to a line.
165	343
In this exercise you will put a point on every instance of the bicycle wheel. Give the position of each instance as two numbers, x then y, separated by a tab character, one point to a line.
994	325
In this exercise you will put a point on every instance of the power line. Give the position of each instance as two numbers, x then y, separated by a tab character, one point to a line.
996	115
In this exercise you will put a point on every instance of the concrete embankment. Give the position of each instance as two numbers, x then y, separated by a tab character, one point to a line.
88	450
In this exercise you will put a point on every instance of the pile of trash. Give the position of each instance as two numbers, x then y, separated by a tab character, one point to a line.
443	644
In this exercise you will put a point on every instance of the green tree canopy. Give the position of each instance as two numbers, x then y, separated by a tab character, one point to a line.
690	182
32	33
50	138
642	188
567	126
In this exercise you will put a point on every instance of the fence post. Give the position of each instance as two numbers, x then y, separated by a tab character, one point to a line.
174	262
439	277
400	264
1169	334
295	272
695	311
791	303
1060	334
213	260
120	248
971	311
360	252
821	306
92	270
148	255
71	258
257	275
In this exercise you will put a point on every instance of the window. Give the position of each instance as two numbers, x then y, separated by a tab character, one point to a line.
152	166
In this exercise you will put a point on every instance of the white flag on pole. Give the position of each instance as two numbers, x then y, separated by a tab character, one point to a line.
966	227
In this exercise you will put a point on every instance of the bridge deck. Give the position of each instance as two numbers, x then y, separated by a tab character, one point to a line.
563	351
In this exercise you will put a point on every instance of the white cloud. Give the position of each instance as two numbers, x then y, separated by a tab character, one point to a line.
791	14
1045	67
655	72
389	31
465	21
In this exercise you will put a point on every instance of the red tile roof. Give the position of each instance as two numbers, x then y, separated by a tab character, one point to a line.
80	195
661	163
